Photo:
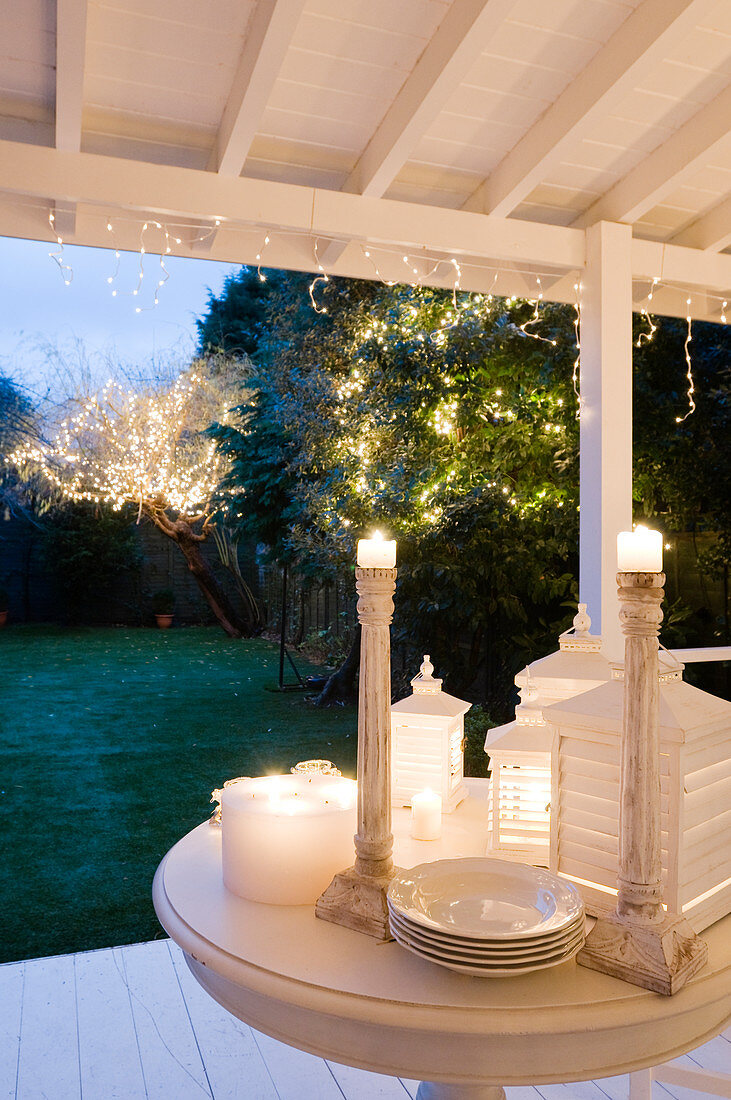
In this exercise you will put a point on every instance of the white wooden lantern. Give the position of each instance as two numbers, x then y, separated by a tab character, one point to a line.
520	784
427	742
695	776
520	752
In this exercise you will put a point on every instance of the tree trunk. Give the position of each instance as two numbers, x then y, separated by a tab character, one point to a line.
181	533
340	688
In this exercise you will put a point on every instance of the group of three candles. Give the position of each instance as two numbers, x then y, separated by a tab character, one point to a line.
285	836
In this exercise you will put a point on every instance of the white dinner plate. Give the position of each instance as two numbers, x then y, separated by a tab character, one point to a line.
491	971
509	952
527	943
483	898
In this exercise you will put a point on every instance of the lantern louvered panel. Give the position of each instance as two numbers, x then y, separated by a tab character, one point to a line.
704	870
519	809
585	847
417	761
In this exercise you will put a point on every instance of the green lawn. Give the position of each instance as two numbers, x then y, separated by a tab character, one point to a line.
111	741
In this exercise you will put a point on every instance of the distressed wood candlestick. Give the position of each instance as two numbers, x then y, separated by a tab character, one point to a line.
357	897
641	942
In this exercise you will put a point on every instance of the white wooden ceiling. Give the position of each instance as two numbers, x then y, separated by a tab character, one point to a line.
360	125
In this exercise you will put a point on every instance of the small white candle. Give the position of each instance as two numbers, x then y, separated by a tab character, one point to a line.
426	815
639	551
285	836
376	552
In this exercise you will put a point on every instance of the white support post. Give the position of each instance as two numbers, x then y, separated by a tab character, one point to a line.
606	423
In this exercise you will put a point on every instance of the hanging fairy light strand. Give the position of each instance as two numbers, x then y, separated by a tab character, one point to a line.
577	337
536	316
689	364
67	273
210	232
646	337
323	277
111	279
259	272
164	273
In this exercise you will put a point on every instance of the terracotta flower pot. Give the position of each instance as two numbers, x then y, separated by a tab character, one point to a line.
3	618
164	621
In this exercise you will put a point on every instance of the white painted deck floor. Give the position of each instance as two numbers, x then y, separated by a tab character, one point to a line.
132	1023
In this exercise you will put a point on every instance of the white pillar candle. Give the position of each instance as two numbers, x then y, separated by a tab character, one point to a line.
426	815
376	552
285	836
639	551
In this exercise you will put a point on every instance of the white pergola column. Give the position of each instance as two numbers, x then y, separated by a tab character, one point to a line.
606	423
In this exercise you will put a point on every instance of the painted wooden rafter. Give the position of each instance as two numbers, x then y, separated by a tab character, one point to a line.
268	37
711	231
462	35
71	21
667	167
272	26
644	38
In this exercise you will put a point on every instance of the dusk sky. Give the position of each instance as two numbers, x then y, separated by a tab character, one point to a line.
37	308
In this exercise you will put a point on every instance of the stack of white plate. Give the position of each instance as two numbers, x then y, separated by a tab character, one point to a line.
486	916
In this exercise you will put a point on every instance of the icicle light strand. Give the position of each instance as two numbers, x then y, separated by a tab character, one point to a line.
323	277
689	364
66	270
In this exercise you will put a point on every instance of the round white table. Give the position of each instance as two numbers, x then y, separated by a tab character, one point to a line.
346	997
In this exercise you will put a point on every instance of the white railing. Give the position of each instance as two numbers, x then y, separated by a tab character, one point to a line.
711	1082
706	653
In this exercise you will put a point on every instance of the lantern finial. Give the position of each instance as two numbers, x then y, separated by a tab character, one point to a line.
582	622
425	683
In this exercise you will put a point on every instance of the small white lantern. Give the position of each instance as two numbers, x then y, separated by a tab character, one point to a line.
520	751
427	742
520	785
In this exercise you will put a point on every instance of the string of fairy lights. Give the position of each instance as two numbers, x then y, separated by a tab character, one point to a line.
125	446
414	277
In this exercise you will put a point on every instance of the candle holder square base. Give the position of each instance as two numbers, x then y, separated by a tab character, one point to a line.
357	901
660	957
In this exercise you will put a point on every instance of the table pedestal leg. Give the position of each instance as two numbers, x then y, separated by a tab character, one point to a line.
432	1090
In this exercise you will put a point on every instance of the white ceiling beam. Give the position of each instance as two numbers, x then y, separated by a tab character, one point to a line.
711	231
270	32
645	37
191	195
686	151
240	244
456	44
71	20
688	268
172	192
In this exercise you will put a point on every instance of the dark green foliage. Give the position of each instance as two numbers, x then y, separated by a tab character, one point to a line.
682	467
451	428
163	602
16	414
446	422
86	546
233	319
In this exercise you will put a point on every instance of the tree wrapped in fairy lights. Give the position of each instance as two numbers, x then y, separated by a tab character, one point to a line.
147	448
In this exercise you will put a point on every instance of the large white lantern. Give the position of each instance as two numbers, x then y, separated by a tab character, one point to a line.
695	779
427	742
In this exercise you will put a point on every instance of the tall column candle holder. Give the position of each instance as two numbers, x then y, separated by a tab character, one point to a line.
356	897
641	942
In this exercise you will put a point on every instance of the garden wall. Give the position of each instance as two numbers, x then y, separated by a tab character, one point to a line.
126	598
